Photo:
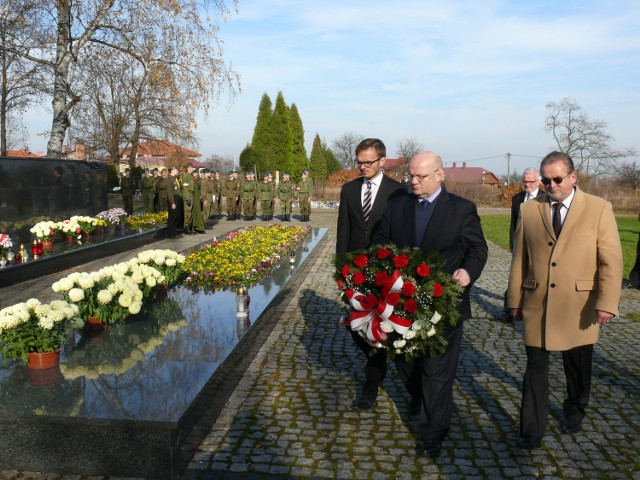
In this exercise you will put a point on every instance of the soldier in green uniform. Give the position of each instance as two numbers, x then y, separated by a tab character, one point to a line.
197	222
156	176
286	190
148	190
249	190
266	194
188	187
305	191
206	195
161	192
231	191
128	189
217	195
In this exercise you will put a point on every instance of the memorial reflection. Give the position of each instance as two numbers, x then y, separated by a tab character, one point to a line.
151	368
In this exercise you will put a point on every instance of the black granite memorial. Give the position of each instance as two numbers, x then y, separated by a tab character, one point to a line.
127	401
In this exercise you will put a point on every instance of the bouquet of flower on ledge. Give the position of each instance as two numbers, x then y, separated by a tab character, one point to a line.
398	299
5	244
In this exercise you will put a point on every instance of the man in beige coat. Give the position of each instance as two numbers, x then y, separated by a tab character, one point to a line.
563	286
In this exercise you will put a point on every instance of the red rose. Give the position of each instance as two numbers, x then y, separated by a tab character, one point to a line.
383	253
361	261
359	278
340	284
371	301
423	270
381	278
410	306
437	290
393	298
78	230
349	293
51	233
345	271
401	261
408	289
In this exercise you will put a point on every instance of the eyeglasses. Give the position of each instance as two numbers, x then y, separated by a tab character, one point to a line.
368	164
421	177
557	180
531	181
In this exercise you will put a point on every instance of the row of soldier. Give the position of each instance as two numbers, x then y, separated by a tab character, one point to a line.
242	197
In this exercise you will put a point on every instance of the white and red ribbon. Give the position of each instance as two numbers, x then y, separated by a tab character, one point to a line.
368	318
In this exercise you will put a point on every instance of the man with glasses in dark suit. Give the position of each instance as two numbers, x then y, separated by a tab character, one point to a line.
362	203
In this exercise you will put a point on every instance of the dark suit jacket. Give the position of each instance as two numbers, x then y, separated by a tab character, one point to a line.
454	231
516	201
353	233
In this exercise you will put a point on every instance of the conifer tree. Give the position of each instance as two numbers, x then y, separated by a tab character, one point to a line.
318	163
300	160
248	159
261	144
333	164
280	156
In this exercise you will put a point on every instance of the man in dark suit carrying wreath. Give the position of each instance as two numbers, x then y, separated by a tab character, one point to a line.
362	203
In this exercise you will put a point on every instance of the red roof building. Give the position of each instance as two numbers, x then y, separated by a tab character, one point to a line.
153	154
23	153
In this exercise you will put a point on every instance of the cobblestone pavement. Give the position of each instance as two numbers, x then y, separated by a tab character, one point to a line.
289	416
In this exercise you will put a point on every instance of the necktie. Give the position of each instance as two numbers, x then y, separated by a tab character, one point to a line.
557	219
366	203
528	197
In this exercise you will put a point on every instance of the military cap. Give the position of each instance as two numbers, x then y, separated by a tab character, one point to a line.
206	170
231	171
305	171
266	174
285	173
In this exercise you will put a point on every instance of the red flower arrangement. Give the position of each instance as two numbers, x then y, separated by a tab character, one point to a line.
398	299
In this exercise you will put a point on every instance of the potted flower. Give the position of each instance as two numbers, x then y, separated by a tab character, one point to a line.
34	332
5	245
112	218
87	224
68	229
44	231
167	262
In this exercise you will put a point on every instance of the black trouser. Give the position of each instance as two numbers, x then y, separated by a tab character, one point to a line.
535	388
376	368
176	217
432	378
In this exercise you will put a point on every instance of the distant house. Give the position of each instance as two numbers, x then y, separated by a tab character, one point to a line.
23	153
474	175
155	153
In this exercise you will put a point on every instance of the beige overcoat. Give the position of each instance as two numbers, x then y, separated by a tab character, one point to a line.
559	284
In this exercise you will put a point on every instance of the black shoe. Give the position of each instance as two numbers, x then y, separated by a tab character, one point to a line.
571	426
506	317
429	449
414	405
363	403
528	443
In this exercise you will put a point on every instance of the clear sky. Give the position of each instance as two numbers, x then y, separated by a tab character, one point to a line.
469	79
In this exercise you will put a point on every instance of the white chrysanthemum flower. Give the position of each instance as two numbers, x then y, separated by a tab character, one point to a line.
436	318
46	323
151	282
399	343
137	277
135	308
41	310
85	281
386	326
57	316
105	296
160	260
409	334
23	312
170	262
64	285
112	288
125	300
32	302
76	294
431	332
74	276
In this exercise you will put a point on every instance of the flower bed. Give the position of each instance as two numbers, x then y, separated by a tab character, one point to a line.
147	221
398	299
243	257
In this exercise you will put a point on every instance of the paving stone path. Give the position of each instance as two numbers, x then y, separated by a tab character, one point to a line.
289	416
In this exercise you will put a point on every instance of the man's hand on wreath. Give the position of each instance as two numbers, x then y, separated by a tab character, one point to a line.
461	277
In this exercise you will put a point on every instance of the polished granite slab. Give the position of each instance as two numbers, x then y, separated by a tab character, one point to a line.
133	392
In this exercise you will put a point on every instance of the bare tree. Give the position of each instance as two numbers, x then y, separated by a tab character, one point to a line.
628	175
183	31
344	147
221	163
21	79
583	138
409	147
